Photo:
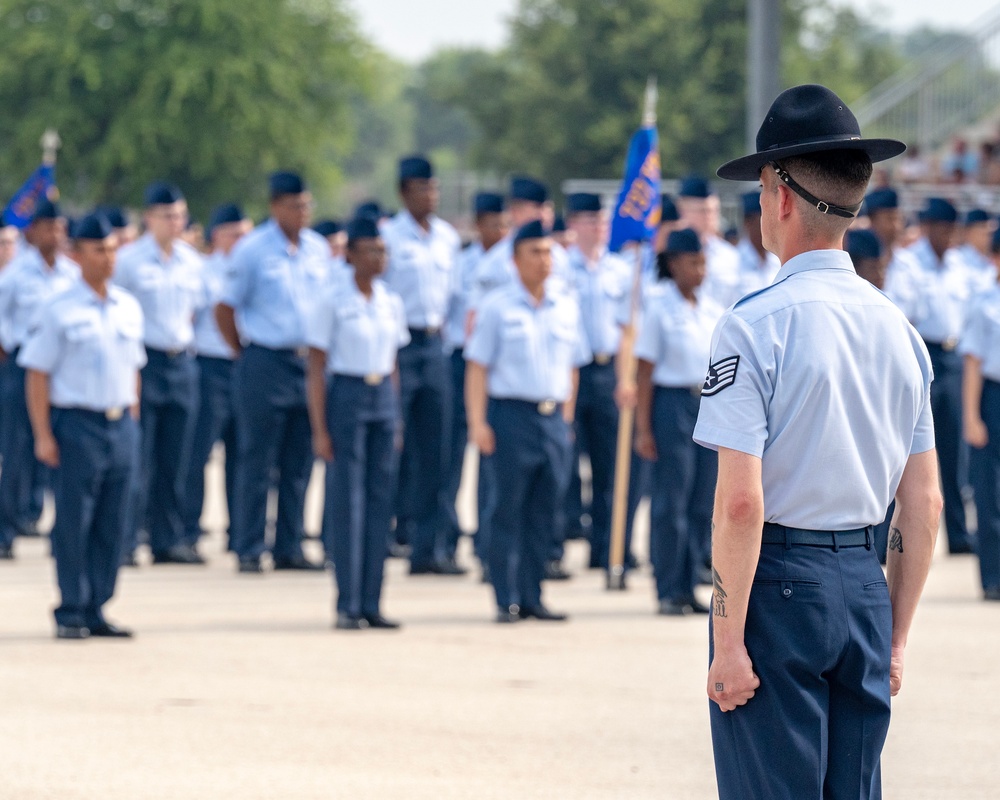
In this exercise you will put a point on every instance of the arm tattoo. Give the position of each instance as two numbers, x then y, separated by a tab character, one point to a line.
718	594
896	539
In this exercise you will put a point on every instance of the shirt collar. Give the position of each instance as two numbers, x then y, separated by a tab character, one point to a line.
528	300
813	260
415	227
283	241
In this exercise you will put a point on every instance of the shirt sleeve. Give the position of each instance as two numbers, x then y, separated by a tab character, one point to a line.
400	311
973	338
736	394
582	354
923	433
484	342
40	351
320	322
649	342
239	276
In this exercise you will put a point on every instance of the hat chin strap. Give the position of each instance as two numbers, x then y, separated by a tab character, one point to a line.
848	212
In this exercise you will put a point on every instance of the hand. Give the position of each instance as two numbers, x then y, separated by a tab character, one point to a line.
731	679
47	451
322	446
626	395
645	445
896	669
482	437
976	433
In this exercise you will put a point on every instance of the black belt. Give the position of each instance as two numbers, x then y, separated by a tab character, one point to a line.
782	534
418	335
947	346
294	352
184	351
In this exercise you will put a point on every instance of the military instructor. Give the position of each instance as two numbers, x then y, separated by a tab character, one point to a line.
818	402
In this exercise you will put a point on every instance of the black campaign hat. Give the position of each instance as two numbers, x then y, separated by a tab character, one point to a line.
802	120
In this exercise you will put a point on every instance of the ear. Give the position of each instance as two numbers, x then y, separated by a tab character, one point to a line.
786	201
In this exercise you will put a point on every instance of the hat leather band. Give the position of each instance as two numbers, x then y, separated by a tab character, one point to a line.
848	212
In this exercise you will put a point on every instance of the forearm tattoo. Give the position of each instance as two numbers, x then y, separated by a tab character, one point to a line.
896	539
718	594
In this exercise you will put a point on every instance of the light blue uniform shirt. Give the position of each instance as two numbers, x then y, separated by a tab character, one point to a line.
529	349
676	336
822	377
420	267
601	289
25	286
273	284
935	293
722	271
981	337
754	272
91	348
980	264
208	340
463	279
496	268
170	290
360	336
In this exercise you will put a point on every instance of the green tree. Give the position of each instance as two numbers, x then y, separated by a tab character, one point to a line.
210	94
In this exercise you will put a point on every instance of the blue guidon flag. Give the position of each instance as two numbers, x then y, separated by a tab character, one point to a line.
637	213
720	375
21	207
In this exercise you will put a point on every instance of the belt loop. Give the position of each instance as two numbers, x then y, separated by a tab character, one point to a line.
836	547
868	537
788	537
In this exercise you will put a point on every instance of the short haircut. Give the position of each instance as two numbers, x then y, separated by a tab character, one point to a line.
834	176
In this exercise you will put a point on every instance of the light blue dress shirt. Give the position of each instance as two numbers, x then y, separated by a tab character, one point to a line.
981	337
722	271
755	272
463	279
676	336
26	284
496	269
90	347
822	377
420	267
273	284
208	340
360	336
529	349
170	290
601	288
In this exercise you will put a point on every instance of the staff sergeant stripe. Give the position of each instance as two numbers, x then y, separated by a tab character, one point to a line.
720	375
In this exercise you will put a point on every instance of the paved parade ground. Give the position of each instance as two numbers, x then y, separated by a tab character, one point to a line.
237	687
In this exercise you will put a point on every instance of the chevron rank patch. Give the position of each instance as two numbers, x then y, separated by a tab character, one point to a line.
720	375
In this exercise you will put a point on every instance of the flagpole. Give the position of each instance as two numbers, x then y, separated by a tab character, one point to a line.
626	416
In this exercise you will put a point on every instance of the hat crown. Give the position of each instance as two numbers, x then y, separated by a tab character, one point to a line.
363	227
863	243
532	230
93	226
229	212
803	114
683	241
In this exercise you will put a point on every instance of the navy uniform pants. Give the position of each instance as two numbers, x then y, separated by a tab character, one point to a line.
458	436
946	408
272	435
98	458
23	479
214	421
425	389
169	398
531	471
359	488
984	468
683	492
818	632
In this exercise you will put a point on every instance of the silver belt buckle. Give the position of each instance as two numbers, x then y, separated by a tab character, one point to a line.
373	379
602	359
114	414
546	407
949	344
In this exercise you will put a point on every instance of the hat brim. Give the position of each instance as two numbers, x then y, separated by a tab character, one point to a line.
748	167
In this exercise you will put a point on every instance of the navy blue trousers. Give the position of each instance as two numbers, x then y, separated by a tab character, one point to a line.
683	493
23	479
215	420
425	389
98	459
818	632
359	488
946	408
273	436
531	470
984	468
169	399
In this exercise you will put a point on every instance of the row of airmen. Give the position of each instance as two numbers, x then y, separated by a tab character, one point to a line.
531	332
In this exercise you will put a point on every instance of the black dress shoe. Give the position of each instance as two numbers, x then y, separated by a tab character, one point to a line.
111	631
346	622
300	563
447	567
675	608
554	571
6	553
698	607
28	529
250	566
993	593
508	616
398	550
72	632
178	554
378	621
421	569
542	614
128	560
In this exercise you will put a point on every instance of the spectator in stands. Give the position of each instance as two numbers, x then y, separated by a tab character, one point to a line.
962	165
914	168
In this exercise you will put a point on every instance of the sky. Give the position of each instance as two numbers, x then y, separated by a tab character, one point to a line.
413	29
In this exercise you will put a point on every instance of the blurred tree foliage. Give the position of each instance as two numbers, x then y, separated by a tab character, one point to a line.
210	94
